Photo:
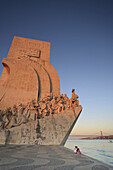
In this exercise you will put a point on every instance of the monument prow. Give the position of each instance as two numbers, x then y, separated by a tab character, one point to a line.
32	110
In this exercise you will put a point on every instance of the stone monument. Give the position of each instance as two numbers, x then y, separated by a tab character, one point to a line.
32	110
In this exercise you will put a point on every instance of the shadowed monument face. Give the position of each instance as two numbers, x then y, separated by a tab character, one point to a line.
27	73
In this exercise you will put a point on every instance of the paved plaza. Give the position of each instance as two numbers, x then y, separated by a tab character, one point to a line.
41	157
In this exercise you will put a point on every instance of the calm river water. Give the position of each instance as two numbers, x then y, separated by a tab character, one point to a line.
99	149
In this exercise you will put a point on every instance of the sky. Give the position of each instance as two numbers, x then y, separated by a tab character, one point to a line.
81	36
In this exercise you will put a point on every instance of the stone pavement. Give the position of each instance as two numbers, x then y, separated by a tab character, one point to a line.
42	157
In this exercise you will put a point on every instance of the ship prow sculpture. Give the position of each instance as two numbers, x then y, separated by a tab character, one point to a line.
32	110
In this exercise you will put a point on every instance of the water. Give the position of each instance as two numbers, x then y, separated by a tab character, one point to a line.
98	149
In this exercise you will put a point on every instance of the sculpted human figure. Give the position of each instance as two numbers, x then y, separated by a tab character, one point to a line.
58	98
39	112
73	101
7	117
14	110
19	111
6	114
61	103
21	116
5	120
34	103
24	119
42	108
26	111
66	101
13	121
46	106
9	113
35	110
1	124
1	120
31	110
53	105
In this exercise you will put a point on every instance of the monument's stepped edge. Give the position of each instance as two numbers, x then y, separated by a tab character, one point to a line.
51	130
32	110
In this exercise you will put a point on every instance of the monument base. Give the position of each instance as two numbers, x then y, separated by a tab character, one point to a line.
50	130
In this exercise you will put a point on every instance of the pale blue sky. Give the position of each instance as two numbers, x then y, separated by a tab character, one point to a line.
81	36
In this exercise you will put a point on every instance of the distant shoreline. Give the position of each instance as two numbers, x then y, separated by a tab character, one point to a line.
91	137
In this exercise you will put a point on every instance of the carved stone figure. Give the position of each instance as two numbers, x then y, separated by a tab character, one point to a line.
61	103
1	120
14	117
32	111
1	124
53	105
21	116
66	101
7	116
73	101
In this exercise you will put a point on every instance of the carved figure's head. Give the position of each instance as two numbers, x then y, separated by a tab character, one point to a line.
73	90
61	96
